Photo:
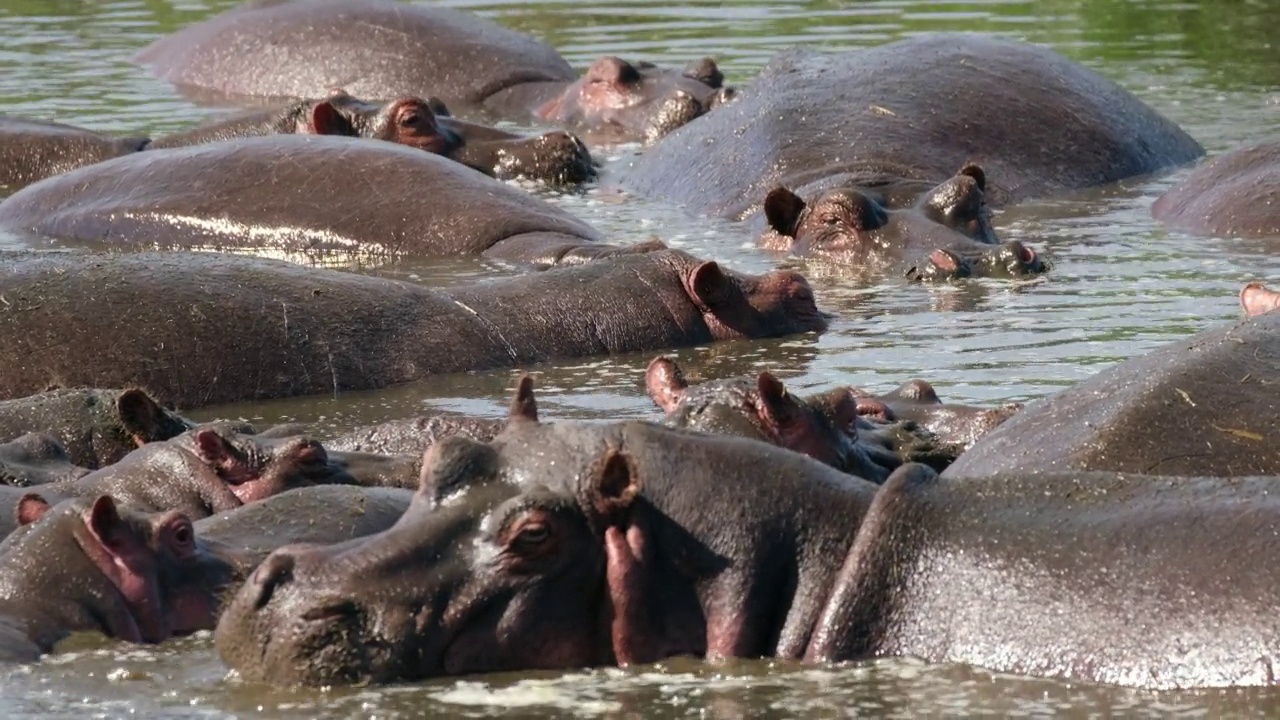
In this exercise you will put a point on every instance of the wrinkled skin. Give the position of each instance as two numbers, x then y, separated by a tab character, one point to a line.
945	234
414	436
95	427
291	194
36	459
323	514
1203	406
559	546
31	150
272	329
916	401
1236	194
88	565
382	49
556	157
1256	298
909	114
825	426
1093	577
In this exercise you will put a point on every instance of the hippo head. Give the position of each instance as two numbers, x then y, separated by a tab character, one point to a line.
556	157
254	468
495	566
145	421
36	459
854	223
1256	299
136	577
637	100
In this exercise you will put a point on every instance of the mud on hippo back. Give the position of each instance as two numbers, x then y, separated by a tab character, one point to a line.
384	49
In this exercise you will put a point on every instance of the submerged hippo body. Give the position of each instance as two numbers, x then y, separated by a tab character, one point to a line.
1233	195
383	49
1205	406
293	193
414	436
31	150
96	427
560	546
824	426
36	459
88	565
270	329
1151	582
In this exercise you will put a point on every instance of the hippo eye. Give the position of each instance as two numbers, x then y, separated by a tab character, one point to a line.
830	220
183	537
532	534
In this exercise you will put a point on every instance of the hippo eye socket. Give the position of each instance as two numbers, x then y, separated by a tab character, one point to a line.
532	534
183	537
830	220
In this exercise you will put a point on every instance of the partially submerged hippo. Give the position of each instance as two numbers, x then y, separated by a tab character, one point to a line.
201	328
383	49
294	193
1150	582
32	150
916	401
89	565
1204	406
414	435
560	546
876	136
36	459
1236	194
824	426
96	427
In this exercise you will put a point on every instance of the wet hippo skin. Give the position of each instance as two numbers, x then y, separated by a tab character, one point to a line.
32	150
1236	194
200	329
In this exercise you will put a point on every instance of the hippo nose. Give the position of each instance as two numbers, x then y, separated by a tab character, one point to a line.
723	96
1019	258
275	571
612	69
705	71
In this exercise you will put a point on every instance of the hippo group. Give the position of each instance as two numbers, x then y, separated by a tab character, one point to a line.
1119	531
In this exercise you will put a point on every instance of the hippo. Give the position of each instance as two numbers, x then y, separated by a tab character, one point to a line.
89	565
426	124
383	49
36	459
558	546
415	435
94	426
324	514
824	426
1256	298
1153	582
1204	406
857	135
199	329
1236	194
916	401
292	193
35	149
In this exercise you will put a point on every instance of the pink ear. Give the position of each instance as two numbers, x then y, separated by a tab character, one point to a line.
665	383
326	120
104	520
844	409
31	508
775	405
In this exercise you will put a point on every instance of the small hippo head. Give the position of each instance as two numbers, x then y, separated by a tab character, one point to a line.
1256	299
915	401
489	569
854	223
137	577
556	157
36	459
631	101
254	468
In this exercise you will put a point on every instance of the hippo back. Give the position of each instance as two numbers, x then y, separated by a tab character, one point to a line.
1207	405
372	48
1236	194
916	109
291	193
31	150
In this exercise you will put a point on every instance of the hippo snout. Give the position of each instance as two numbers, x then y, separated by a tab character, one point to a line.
1018	260
557	157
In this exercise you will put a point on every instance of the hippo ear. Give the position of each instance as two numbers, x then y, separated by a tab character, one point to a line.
524	406
776	407
453	462
31	508
974	171
105	523
665	383
326	120
782	209
843	406
917	390
144	419
219	454
709	286
614	484
437	106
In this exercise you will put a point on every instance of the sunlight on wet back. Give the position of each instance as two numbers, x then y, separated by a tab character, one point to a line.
1120	286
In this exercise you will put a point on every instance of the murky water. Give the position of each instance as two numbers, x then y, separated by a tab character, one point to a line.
1121	286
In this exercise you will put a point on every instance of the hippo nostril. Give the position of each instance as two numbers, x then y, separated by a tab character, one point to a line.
944	261
276	570
331	611
1025	255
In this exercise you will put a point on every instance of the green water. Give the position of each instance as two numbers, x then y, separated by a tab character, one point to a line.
1121	286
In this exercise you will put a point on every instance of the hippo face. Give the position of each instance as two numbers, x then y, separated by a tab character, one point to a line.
556	157
494	566
142	578
255	468
638	100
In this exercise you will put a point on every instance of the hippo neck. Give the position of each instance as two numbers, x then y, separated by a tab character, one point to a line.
521	97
